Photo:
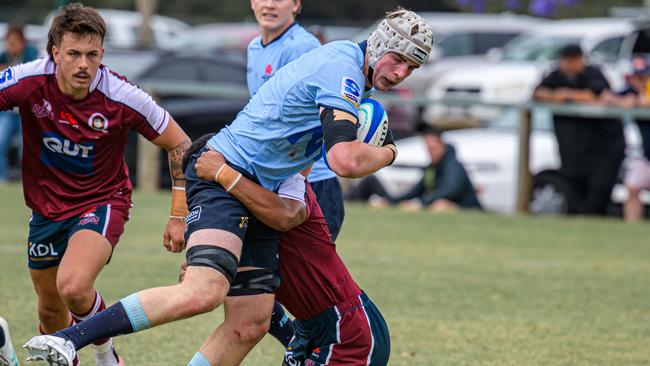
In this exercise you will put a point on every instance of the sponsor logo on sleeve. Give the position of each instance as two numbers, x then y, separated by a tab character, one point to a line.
351	91
6	76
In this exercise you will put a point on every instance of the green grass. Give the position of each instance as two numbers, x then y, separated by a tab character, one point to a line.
459	289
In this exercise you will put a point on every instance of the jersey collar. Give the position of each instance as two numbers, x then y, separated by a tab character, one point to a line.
279	36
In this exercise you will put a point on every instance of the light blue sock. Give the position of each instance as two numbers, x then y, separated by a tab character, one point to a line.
199	360
135	312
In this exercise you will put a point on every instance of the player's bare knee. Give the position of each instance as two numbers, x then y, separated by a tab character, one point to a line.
210	270
74	292
203	291
252	330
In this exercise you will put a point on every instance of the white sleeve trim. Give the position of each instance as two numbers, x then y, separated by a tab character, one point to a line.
294	189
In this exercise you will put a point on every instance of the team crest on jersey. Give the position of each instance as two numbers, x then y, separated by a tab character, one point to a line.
351	91
98	122
43	111
268	72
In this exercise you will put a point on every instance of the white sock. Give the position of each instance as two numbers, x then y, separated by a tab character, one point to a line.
104	355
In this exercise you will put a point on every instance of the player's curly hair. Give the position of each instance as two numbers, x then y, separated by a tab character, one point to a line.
78	19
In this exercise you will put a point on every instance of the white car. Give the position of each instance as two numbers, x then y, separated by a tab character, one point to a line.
510	75
489	155
123	27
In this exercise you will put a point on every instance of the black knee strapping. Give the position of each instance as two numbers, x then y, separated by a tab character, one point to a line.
255	282
214	257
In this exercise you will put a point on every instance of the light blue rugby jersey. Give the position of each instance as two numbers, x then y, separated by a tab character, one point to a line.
278	133
264	61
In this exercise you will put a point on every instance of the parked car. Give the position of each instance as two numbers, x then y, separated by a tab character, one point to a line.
123	27
510	75
489	155
223	39
196	114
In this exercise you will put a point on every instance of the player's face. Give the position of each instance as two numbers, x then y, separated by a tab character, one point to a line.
273	15
77	59
391	70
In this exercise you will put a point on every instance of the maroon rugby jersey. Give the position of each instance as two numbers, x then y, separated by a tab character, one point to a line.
314	278
73	150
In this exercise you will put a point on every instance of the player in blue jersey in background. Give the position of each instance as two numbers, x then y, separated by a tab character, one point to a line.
281	41
309	103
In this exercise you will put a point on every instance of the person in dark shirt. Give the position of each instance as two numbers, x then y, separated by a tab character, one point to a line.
444	186
591	149
636	95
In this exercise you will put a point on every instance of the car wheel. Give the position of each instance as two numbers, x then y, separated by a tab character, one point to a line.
550	195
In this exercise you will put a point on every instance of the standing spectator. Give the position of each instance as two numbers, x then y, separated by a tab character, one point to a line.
444	186
636	95
17	52
591	149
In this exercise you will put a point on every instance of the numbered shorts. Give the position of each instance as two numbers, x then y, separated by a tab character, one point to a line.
211	207
351	333
48	239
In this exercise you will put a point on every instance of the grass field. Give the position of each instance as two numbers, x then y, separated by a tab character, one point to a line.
460	289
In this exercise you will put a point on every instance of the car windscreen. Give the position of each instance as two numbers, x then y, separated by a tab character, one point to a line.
536	47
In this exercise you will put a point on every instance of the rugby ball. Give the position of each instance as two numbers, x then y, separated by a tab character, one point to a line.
372	127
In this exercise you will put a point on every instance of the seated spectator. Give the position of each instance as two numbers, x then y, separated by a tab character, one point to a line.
16	52
591	149
444	186
636	96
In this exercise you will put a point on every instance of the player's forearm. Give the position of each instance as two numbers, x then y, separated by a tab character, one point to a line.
267	206
355	159
175	157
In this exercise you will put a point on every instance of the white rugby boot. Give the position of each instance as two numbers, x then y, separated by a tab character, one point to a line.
7	353
56	351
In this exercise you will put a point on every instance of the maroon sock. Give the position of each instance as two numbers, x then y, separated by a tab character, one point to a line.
97	306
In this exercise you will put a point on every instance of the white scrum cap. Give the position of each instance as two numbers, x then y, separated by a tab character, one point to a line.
403	32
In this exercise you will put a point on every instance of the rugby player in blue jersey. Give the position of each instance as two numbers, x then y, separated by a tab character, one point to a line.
308	103
281	41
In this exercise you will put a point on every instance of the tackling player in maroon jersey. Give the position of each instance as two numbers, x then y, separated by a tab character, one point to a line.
76	114
336	323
